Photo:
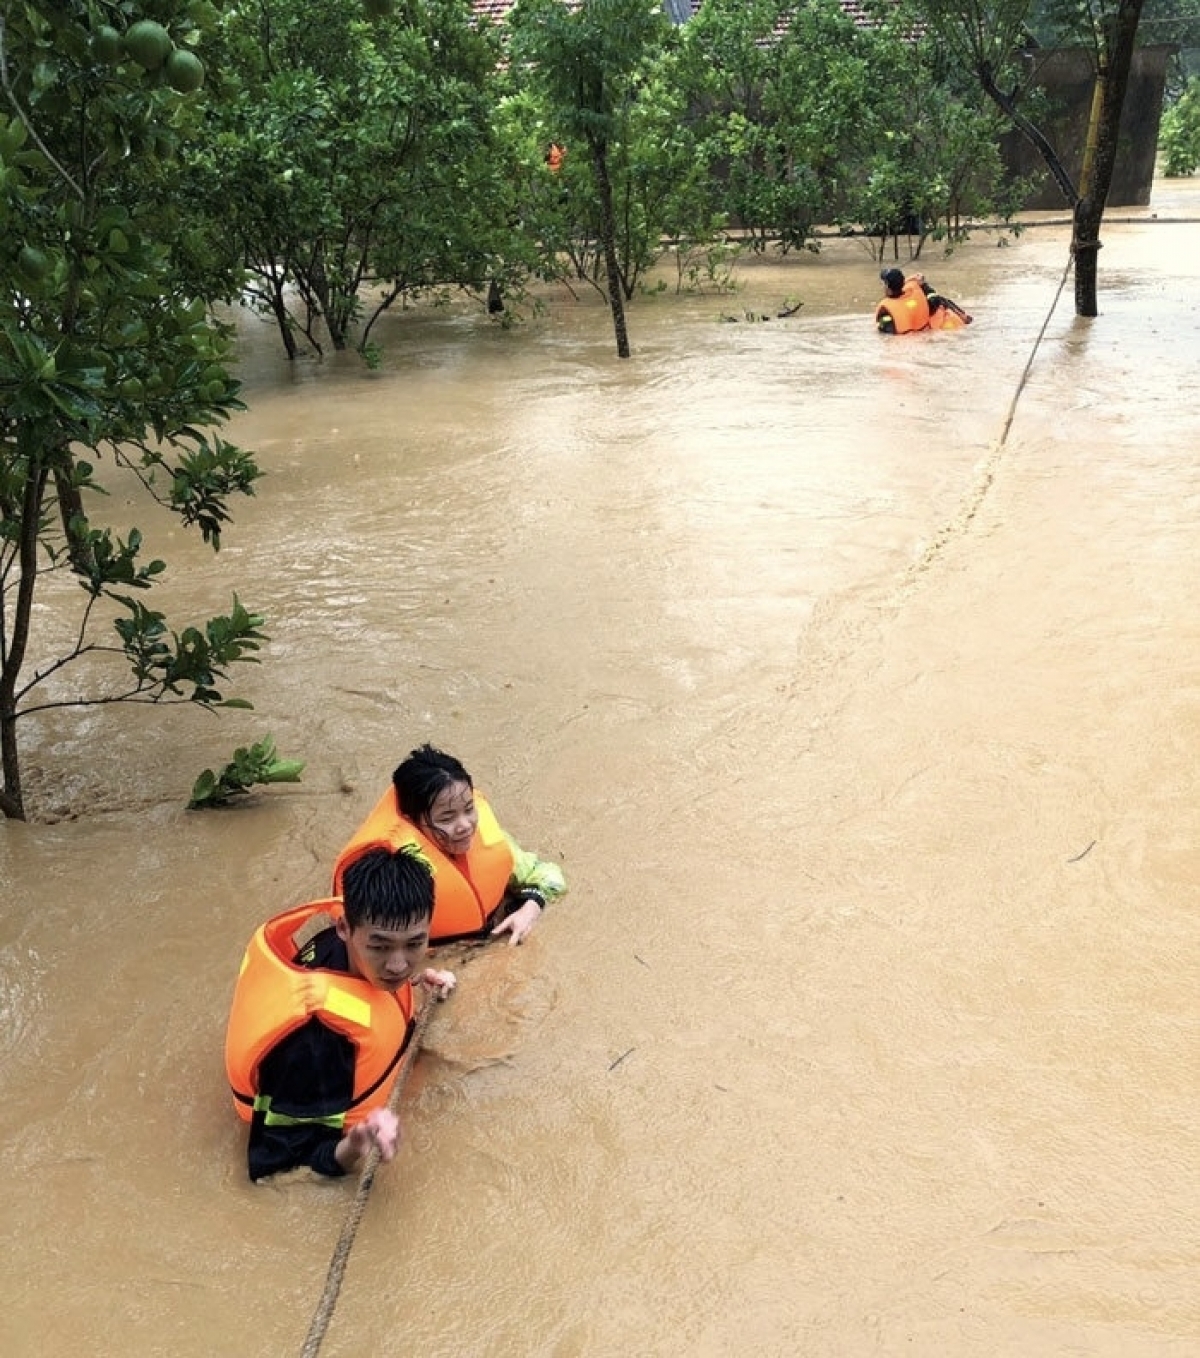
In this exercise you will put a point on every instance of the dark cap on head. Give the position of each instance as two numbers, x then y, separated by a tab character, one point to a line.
893	280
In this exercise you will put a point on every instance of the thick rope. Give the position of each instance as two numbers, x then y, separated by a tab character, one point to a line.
1041	335
341	1254
987	470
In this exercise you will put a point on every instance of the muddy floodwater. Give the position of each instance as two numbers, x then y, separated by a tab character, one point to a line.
854	682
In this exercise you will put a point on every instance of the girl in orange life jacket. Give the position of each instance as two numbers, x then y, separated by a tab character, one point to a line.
322	1013
485	883
912	304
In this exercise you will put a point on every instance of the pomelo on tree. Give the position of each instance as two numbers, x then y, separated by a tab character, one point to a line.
184	71
148	43
32	264
106	45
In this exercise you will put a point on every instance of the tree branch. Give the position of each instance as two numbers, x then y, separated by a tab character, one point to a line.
29	127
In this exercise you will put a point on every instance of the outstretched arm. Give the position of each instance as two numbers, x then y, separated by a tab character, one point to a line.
531	872
534	883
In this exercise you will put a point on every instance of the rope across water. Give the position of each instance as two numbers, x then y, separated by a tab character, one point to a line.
987	470
1041	335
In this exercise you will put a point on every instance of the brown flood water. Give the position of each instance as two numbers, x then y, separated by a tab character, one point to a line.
868	742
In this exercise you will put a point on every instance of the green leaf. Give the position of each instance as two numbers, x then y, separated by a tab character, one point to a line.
250	765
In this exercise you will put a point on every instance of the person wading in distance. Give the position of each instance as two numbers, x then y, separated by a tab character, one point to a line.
913	304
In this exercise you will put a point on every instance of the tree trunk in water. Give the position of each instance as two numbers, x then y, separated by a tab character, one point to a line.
12	803
318	287
283	320
1089	210
608	232
1085	249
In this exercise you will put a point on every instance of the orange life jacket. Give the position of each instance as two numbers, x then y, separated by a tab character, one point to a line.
467	888
942	318
274	996
909	311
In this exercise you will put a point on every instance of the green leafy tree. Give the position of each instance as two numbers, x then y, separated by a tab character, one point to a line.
353	162
669	180
986	37
732	64
104	354
805	118
1179	134
545	201
658	195
587	62
934	168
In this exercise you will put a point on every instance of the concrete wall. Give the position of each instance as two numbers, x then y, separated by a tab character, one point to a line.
1065	75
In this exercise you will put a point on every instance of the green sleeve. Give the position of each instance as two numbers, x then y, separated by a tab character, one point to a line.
531	871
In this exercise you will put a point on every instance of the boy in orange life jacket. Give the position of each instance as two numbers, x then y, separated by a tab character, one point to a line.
323	1011
485	884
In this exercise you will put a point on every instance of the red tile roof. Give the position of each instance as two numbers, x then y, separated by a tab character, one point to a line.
497	10
491	9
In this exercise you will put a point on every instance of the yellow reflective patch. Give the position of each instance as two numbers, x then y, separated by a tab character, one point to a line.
489	827
347	1006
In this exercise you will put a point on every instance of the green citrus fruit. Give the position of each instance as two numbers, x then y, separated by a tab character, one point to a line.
106	45
148	43
132	389
32	263
185	71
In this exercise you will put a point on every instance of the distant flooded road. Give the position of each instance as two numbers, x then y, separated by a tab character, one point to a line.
868	740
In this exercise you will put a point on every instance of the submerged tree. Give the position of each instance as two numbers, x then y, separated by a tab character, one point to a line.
586	61
352	161
803	118
783	102
987	36
103	354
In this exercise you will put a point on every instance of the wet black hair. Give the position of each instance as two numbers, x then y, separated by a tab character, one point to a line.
419	778
893	280
389	890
